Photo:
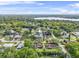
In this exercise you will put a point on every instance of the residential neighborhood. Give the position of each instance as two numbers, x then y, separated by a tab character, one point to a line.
39	29
50	38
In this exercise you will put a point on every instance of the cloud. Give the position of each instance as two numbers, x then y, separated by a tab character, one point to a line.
64	11
15	12
76	5
28	2
15	2
8	2
40	3
34	10
12	0
33	2
19	2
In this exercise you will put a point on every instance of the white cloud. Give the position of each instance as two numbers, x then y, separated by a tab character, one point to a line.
76	5
29	2
15	2
19	2
40	3
33	2
15	12
8	2
64	11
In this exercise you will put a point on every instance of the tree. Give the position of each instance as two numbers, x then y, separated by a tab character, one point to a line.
73	49
28	43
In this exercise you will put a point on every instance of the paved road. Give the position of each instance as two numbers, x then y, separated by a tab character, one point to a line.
62	47
64	50
17	42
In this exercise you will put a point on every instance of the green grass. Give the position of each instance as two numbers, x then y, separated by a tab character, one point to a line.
8	38
57	50
73	38
48	53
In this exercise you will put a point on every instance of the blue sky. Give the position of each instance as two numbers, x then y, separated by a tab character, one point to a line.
39	7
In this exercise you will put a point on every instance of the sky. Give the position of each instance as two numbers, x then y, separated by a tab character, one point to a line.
39	7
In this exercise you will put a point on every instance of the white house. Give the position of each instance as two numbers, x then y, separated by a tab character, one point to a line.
64	34
38	33
76	34
8	45
20	45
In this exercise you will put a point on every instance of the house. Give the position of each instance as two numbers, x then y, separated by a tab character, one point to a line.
51	45
16	37
76	34
65	41
38	34
8	45
46	33
64	34
13	34
38	45
20	45
42	33
10	32
28	27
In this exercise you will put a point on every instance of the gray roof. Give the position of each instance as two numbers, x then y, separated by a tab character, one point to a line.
21	45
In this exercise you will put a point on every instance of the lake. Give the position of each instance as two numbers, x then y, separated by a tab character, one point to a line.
56	18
